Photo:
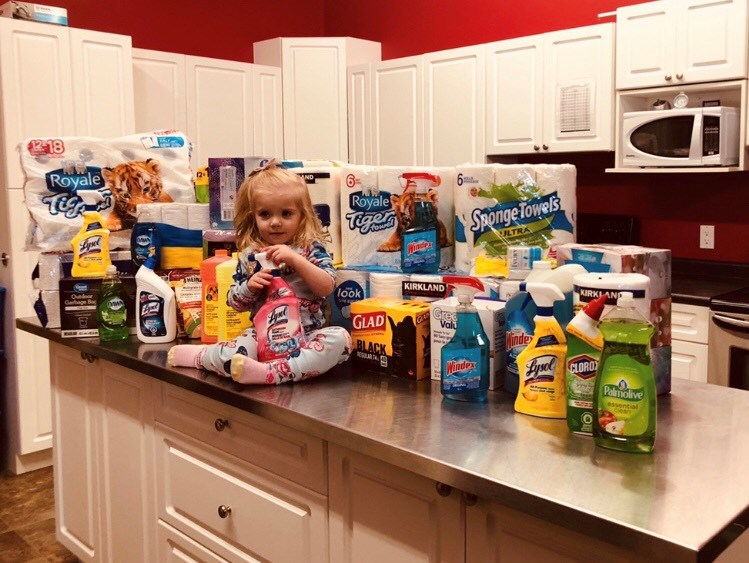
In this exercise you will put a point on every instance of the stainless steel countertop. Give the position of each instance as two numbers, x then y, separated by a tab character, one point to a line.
686	502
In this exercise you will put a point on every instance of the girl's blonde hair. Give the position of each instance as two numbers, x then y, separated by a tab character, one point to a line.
273	178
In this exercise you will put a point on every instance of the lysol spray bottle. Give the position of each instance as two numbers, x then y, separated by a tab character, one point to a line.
465	359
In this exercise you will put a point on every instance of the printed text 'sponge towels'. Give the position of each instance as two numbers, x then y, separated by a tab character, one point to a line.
511	205
376	208
68	176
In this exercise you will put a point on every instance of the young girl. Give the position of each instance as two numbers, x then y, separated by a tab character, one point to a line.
274	213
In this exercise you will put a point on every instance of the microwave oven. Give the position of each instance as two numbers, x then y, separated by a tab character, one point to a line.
681	137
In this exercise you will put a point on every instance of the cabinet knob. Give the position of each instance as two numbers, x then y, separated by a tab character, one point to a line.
224	511
443	490
668	77
679	76
536	148
546	147
4	258
220	424
90	358
470	499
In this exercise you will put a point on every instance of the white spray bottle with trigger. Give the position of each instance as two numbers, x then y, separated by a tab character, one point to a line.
465	359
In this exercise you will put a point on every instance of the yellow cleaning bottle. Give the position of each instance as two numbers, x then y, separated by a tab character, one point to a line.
541	364
91	247
231	323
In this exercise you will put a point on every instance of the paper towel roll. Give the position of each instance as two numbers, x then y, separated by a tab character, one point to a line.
562	179
50	271
149	212
324	185
470	179
175	214
198	218
514	173
383	284
357	183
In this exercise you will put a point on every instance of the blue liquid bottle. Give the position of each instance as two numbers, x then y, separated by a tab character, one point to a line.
465	359
420	245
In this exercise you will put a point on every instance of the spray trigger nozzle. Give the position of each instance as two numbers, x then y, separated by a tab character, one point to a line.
465	287
262	262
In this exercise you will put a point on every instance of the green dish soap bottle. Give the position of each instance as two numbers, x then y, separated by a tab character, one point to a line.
111	311
624	401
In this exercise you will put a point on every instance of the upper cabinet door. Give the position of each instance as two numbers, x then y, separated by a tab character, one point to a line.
711	40
646	45
219	109
268	104
579	89
514	75
36	84
454	94
397	114
159	84
360	114
102	65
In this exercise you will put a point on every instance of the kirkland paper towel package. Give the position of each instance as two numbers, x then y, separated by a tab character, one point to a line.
444	322
324	185
377	206
502	205
588	287
68	176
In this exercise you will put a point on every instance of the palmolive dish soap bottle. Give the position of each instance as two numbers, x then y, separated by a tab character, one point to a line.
541	364
584	343
420	244
625	396
465	359
278	321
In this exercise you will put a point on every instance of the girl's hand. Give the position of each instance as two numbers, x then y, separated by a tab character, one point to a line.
282	254
259	281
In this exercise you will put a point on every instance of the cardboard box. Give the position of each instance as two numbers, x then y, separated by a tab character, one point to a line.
225	176
391	336
34	12
444	323
78	306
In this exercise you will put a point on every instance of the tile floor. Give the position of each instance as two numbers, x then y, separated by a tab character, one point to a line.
27	520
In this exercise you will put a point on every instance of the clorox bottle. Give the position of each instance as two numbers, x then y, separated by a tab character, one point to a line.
541	364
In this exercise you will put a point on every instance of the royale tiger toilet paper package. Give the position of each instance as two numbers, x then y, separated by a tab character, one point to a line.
377	205
65	177
498	206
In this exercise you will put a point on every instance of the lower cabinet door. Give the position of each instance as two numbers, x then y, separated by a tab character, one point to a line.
238	511
176	547
381	513
689	360
497	533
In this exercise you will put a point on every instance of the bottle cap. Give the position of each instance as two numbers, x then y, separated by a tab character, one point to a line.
111	270
542	265
594	309
221	252
626	299
150	263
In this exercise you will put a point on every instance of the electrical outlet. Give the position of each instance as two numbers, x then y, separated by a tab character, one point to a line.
707	236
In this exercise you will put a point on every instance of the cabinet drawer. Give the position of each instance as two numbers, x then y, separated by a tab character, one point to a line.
176	547
279	449
689	322
689	360
270	519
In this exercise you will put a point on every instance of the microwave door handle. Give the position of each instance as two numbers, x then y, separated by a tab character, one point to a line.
731	323
695	148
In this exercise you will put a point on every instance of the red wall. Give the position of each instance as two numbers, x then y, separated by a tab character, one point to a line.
223	29
670	206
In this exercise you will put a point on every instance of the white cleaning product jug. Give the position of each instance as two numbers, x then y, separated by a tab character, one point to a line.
155	306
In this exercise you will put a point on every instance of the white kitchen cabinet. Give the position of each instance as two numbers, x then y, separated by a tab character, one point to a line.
160	90
497	533
268	115
689	334
102	69
578	87
37	89
219	108
381	513
360	114
176	547
552	92
689	360
314	90
672	42
397	112
514	81
454	117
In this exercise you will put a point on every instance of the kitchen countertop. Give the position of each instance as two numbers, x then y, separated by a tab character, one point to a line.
686	502
695	282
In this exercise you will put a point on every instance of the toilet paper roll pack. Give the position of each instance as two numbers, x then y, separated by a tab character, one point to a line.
377	205
65	177
498	206
324	185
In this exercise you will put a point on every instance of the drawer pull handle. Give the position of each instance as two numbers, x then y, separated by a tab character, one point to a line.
4	258
679	76
220	424
90	358
470	499
546	147
668	77
536	148
224	511
443	490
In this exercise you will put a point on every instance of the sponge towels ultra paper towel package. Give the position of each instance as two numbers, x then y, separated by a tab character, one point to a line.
377	205
68	176
511	205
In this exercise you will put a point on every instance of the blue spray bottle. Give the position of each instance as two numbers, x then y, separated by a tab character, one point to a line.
420	243
465	359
